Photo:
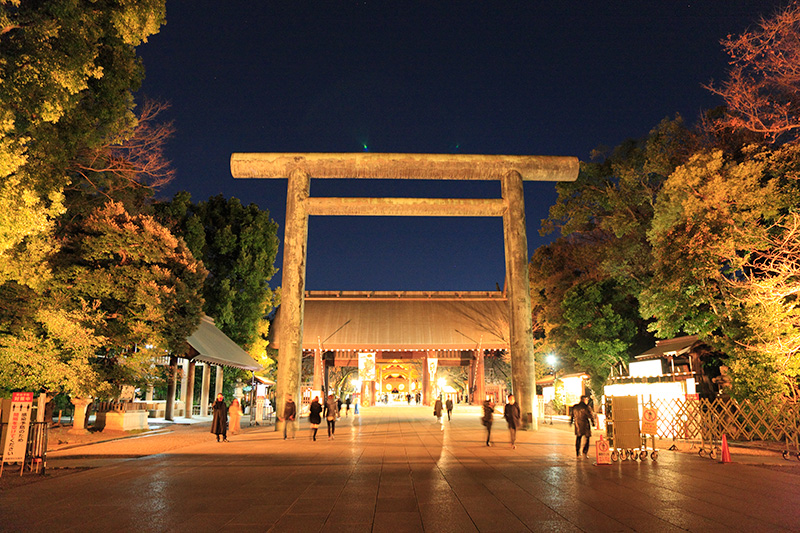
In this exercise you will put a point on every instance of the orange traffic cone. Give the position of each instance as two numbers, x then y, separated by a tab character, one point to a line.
726	455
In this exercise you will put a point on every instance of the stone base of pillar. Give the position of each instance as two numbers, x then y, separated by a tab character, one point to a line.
79	420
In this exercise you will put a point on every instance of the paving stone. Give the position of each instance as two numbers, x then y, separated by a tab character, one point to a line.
393	469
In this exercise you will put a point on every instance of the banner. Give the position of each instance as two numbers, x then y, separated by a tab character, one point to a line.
366	367
17	430
432	364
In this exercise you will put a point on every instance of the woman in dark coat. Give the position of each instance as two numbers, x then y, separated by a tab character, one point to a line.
314	416
512	415
437	409
488	418
219	424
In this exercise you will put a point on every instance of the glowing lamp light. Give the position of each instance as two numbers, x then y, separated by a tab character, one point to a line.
551	359
356	383
442	382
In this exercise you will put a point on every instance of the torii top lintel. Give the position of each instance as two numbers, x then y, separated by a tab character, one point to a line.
367	165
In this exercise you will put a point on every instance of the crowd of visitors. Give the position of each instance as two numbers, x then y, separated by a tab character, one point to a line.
227	418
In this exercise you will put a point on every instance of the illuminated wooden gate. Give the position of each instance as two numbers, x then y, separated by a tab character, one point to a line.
299	168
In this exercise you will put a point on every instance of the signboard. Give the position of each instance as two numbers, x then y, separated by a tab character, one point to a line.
17	429
432	364
603	452
649	421
366	367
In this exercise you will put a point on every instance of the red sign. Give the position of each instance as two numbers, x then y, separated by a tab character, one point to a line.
649	421
603	452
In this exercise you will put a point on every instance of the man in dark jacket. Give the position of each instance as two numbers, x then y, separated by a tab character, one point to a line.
583	418
449	406
289	416
512	415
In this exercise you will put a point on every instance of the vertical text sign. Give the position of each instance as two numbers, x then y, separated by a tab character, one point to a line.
18	422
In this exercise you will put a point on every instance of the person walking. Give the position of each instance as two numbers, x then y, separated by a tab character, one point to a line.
512	415
347	403
314	416
235	417
583	418
437	410
488	418
289	416
330	415
219	423
449	406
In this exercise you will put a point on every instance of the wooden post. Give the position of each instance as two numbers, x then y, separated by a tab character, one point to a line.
290	350
218	381
188	402
184	383
480	377
318	382
204	390
172	384
523	380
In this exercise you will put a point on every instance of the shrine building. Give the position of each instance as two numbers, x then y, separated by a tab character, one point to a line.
408	335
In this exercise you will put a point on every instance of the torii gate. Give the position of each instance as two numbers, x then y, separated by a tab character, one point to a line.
511	170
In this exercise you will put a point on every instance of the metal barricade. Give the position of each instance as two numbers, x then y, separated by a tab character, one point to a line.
36	447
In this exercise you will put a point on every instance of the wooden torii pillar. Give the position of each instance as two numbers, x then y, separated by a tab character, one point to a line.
510	170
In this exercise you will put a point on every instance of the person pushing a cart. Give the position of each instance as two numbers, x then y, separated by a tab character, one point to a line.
583	419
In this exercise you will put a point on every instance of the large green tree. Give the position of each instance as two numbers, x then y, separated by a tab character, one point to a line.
603	255
238	245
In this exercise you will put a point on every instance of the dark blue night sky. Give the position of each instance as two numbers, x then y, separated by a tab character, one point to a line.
533	77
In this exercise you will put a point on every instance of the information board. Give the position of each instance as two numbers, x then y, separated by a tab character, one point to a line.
17	431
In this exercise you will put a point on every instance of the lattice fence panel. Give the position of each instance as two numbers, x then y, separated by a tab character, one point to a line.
677	418
686	419
754	420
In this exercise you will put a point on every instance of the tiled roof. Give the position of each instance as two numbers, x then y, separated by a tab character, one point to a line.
402	321
213	346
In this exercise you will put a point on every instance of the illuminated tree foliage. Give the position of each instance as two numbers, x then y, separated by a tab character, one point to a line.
762	89
68	71
125	281
585	285
770	297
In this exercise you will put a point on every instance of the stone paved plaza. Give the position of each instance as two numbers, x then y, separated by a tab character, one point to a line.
395	469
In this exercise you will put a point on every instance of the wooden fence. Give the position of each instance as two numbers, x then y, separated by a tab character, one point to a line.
708	420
